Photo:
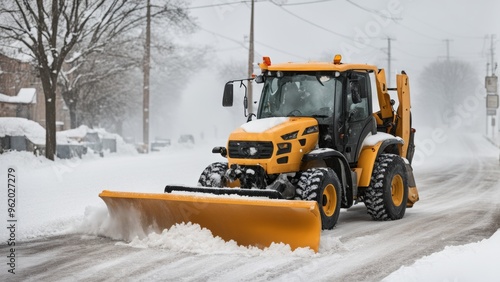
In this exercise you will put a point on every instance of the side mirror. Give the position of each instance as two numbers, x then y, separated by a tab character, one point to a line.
259	79
356	97
227	98
363	89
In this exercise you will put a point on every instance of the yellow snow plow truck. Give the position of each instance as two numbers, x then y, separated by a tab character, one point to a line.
315	146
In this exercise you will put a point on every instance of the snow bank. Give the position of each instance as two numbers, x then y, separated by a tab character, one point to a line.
472	262
184	237
122	147
188	237
22	127
79	133
36	133
14	126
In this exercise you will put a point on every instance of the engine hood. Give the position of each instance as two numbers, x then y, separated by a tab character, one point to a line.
276	143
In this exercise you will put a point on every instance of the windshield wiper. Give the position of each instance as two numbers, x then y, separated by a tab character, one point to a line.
319	80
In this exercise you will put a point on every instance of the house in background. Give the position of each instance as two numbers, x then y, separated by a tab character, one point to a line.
22	105
21	93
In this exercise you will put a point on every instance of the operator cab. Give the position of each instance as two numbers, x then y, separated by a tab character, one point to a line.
339	101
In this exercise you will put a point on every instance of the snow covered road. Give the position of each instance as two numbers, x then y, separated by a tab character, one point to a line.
459	204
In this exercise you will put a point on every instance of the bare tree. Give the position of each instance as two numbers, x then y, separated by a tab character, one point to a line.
80	83
50	29
108	92
109	88
443	87
116	47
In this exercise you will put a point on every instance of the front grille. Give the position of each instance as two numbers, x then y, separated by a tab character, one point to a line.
250	150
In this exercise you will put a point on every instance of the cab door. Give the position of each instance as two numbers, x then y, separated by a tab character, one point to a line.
357	112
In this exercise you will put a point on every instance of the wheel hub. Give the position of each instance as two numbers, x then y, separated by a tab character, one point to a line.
397	190
329	200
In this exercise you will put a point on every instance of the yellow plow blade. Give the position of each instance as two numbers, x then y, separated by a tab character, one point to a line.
246	220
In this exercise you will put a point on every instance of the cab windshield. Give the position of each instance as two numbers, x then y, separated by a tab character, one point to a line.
299	94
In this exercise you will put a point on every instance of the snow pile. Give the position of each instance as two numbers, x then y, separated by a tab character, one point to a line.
79	133
61	197
14	126
75	133
122	147
98	222
22	127
472	262
183	237
191	238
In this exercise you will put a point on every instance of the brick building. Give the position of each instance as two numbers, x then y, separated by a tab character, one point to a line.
21	93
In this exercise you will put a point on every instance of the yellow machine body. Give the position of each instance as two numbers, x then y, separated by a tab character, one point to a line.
280	147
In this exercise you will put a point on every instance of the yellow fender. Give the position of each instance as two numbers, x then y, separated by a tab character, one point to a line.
372	147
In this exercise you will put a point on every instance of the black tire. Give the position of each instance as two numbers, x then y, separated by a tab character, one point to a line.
214	175
387	195
321	185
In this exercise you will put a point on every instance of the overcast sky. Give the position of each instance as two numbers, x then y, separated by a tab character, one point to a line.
302	30
299	30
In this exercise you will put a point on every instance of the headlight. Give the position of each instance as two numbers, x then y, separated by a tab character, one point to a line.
284	148
290	136
311	129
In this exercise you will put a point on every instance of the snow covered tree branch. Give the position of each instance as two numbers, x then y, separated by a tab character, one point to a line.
48	30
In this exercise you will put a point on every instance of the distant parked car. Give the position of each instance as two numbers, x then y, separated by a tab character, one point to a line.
141	148
93	141
186	138
159	143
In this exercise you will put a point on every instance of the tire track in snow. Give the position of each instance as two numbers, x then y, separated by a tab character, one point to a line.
459	205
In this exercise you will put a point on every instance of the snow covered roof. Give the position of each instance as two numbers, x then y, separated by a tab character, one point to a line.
82	130
25	96
79	132
22	127
13	126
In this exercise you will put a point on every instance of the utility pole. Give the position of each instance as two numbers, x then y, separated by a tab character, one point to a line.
492	98
447	49
146	67
250	62
493	64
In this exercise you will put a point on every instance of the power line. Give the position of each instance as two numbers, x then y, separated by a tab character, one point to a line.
294	15
411	54
323	28
241	45
217	5
281	51
420	33
225	37
442	30
249	1
372	11
301	3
